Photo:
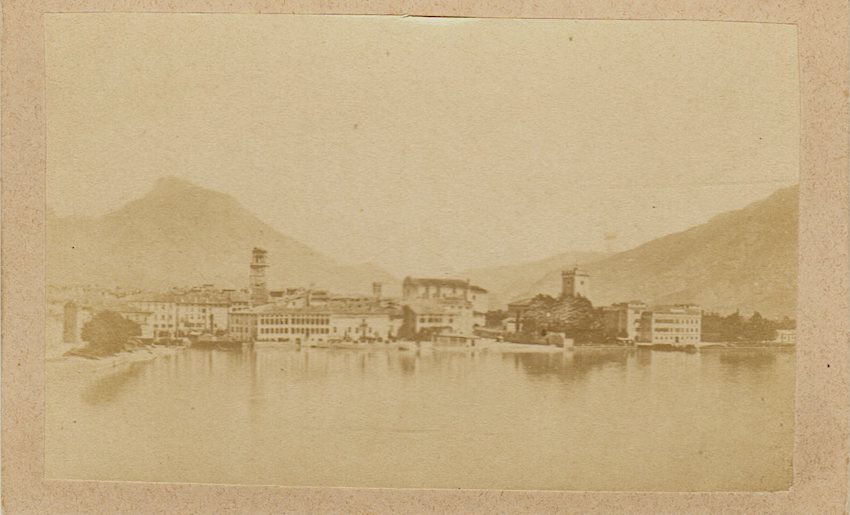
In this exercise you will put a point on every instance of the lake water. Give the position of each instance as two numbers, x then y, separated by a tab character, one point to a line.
586	419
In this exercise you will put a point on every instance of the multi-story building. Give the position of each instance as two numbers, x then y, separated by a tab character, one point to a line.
671	325
163	308
455	294
328	322
445	290
190	313
242	325
427	318
622	321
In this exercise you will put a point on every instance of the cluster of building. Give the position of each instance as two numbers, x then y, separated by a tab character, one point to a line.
628	322
635	322
173	314
427	306
427	309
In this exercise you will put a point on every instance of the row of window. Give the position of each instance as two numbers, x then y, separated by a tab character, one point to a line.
675	338
183	325
687	321
676	330
295	330
435	320
296	320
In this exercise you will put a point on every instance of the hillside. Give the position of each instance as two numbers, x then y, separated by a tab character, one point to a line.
744	259
182	234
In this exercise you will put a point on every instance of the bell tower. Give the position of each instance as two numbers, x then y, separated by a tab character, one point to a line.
257	280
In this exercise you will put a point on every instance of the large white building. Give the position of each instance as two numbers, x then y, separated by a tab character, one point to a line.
424	319
322	323
622	321
671	325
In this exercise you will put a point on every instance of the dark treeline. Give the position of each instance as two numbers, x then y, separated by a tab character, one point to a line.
578	319
574	316
737	328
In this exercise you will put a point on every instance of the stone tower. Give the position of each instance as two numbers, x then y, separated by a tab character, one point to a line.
259	291
376	292
575	283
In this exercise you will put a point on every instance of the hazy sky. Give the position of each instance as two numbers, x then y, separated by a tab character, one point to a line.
426	145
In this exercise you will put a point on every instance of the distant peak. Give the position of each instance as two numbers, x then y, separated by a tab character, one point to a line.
173	187
171	183
170	190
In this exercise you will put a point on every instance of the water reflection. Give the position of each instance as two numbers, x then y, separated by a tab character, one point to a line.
445	419
110	387
407	363
568	366
745	359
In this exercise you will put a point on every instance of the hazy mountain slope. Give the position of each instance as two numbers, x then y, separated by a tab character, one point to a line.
505	281
182	234
744	259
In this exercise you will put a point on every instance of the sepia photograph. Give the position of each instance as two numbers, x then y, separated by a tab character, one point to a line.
421	252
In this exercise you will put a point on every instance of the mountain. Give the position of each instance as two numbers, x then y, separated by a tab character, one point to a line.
507	281
182	234
744	259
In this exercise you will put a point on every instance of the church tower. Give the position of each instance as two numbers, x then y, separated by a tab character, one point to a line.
257	281
575	283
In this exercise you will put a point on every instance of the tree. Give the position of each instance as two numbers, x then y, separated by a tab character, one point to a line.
786	323
733	327
759	329
107	332
574	316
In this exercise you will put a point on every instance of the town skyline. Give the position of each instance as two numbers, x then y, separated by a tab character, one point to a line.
481	146
214	231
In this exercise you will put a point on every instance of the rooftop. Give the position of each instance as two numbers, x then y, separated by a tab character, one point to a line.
442	282
207	297
332	308
425	306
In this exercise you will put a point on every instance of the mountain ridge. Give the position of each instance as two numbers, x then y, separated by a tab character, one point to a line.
203	236
179	233
745	259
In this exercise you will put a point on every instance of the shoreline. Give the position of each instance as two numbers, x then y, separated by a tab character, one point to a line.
93	367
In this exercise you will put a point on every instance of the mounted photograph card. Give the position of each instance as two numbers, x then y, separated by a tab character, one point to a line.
424	259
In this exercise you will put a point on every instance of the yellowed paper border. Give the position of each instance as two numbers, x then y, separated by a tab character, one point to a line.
821	441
